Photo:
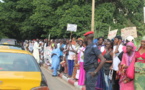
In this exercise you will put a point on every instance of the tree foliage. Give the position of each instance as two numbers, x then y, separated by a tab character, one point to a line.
29	19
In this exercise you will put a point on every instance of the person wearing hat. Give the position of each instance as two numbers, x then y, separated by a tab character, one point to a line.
91	66
129	39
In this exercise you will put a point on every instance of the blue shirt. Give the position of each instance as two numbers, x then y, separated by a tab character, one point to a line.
91	55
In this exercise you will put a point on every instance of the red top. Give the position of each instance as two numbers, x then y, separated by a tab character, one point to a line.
103	53
140	57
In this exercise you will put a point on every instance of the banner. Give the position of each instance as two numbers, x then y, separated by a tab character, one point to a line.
112	34
128	31
72	27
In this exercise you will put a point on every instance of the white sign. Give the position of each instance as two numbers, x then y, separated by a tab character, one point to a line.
128	31
72	27
144	13
112	34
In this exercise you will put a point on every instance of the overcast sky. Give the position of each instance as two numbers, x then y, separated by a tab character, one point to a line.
1	0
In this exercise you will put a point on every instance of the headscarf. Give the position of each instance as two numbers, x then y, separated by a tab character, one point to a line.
80	39
132	45
129	44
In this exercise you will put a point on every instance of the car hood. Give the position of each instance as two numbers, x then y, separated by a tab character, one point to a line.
19	80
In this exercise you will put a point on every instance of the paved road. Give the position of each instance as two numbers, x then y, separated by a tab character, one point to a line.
56	83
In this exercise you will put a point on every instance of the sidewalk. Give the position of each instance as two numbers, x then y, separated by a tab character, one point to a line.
69	80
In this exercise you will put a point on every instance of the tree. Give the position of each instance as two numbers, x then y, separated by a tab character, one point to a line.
29	19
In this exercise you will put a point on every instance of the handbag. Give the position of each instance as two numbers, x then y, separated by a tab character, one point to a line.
130	71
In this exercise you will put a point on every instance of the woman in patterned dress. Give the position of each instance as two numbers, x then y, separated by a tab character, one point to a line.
140	67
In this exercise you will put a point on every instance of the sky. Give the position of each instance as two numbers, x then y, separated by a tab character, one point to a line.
1	0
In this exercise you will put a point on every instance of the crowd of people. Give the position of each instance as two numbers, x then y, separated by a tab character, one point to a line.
99	64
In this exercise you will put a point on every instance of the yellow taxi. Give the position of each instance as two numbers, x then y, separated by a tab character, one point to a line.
8	46
20	71
9	41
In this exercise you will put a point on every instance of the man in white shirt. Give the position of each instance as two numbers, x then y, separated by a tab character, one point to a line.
36	50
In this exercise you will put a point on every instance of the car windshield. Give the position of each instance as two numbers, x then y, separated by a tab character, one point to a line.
17	62
8	41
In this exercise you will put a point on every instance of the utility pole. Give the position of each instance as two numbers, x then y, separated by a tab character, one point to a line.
93	15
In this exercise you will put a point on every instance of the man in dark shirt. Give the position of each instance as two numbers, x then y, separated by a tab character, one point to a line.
91	66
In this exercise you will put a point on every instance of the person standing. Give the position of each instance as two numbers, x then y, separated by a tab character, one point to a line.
117	49
71	58
48	53
62	62
36	50
41	53
91	55
100	85
24	44
109	58
100	44
56	53
81	79
30	46
59	42
125	81
27	46
65	57
140	67
76	66
45	50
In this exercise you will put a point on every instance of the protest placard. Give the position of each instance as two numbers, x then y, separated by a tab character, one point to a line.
128	31
112	34
72	27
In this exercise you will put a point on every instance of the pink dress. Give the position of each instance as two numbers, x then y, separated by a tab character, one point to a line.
81	79
125	82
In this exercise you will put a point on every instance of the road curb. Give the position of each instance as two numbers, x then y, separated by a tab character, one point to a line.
69	80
